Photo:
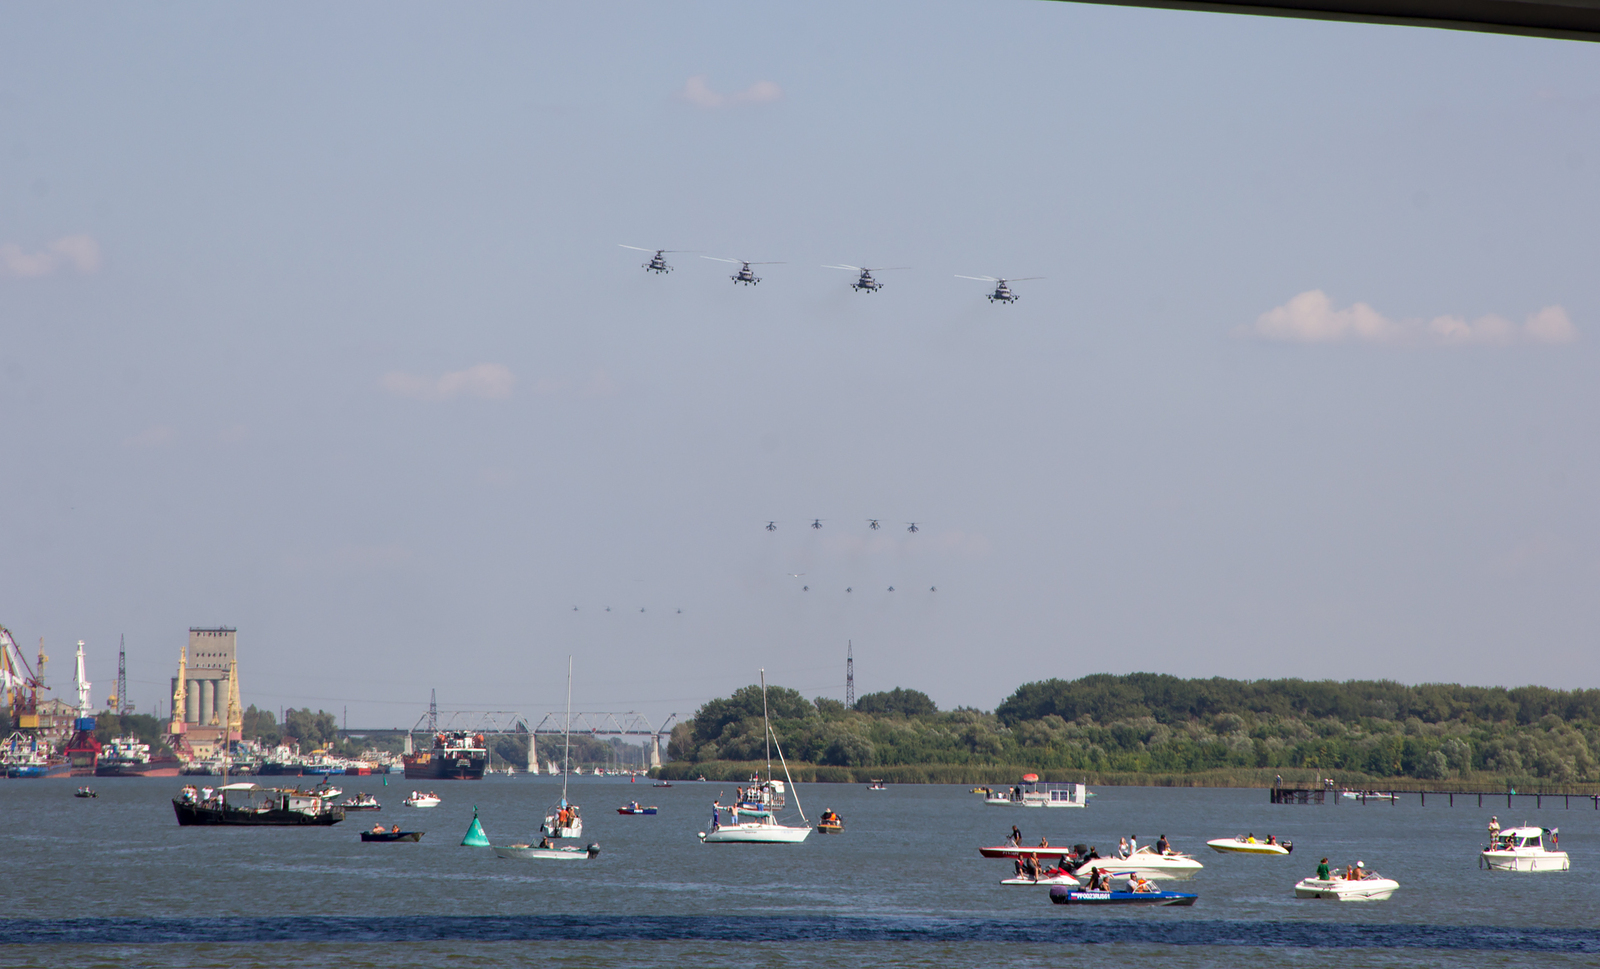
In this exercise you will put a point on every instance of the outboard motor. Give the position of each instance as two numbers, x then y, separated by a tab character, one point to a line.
1288	846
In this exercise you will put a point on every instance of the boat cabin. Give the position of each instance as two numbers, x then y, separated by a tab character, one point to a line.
1513	838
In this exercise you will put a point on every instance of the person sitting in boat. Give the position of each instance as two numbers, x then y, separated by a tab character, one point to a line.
544	842
1250	839
395	829
1358	873
1122	847
1322	871
1272	839
633	805
1133	882
377	828
1044	842
1163	846
1140	885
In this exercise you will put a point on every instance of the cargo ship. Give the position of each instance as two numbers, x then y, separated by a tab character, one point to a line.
130	757
456	756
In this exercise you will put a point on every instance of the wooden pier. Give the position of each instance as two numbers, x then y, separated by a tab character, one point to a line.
1321	795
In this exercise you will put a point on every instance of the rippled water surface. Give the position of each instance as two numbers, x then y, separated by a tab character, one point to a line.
115	881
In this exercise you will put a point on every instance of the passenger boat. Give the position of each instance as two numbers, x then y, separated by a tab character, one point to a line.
1246	844
1370	887
1523	849
1030	792
1063	895
417	800
1147	861
634	808
547	852
85	792
379	833
248	804
361	802
753	818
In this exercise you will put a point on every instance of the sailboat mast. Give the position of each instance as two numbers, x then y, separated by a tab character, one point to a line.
567	756
766	723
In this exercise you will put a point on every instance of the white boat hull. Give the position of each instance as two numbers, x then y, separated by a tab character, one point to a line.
1342	890
1147	863
523	852
422	802
1235	846
1525	861
755	833
553	830
1035	882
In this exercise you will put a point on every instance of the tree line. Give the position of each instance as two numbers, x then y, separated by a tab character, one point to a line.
1146	723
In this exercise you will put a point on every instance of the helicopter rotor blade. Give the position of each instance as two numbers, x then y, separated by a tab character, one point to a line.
639	248
721	259
981	279
854	269
1019	279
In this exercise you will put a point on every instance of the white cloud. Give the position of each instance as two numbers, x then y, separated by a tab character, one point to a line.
80	252
1311	318
151	437
698	93
490	381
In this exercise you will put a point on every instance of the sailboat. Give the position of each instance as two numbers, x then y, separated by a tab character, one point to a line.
753	816
563	820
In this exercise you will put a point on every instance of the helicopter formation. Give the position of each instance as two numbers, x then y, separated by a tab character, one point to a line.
865	281
873	523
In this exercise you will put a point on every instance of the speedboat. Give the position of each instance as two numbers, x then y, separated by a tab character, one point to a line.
1369	795
422	800
1522	849
1060	878
1147	861
877	785
636	809
1248	845
830	823
1016	851
85	792
567	853
361	802
1370	887
1072	896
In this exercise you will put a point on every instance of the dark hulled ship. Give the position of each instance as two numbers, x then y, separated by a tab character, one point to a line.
456	756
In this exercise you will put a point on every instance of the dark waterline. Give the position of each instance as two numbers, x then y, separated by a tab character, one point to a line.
792	929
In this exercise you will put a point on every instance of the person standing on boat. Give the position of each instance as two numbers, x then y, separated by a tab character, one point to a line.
1322	871
1133	843
1016	836
1494	828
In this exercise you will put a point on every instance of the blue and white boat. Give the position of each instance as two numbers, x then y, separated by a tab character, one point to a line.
1063	895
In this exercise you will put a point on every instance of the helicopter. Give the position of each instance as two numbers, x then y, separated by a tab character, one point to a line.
656	264
744	275
772	526
872	523
816	523
1002	293
866	284
912	527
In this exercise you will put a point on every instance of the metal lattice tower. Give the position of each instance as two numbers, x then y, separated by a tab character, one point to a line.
123	706
433	711
850	676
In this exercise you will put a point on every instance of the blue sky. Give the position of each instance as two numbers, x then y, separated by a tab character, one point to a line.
313	321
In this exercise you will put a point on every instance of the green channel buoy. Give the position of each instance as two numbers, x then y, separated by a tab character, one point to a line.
475	837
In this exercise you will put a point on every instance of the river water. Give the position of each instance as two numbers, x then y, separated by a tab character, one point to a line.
114	881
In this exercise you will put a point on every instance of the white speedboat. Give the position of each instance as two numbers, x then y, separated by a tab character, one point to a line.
1371	887
1369	795
1149	862
567	853
1246	844
1047	880
421	800
1523	849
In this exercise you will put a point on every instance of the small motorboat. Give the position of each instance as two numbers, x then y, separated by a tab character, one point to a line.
1523	849
422	800
1369	886
634	808
1017	851
830	823
1246	844
1369	795
361	802
1058	878
662	784
325	790
877	785
85	792
394	834
1062	895
547	852
1147	861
